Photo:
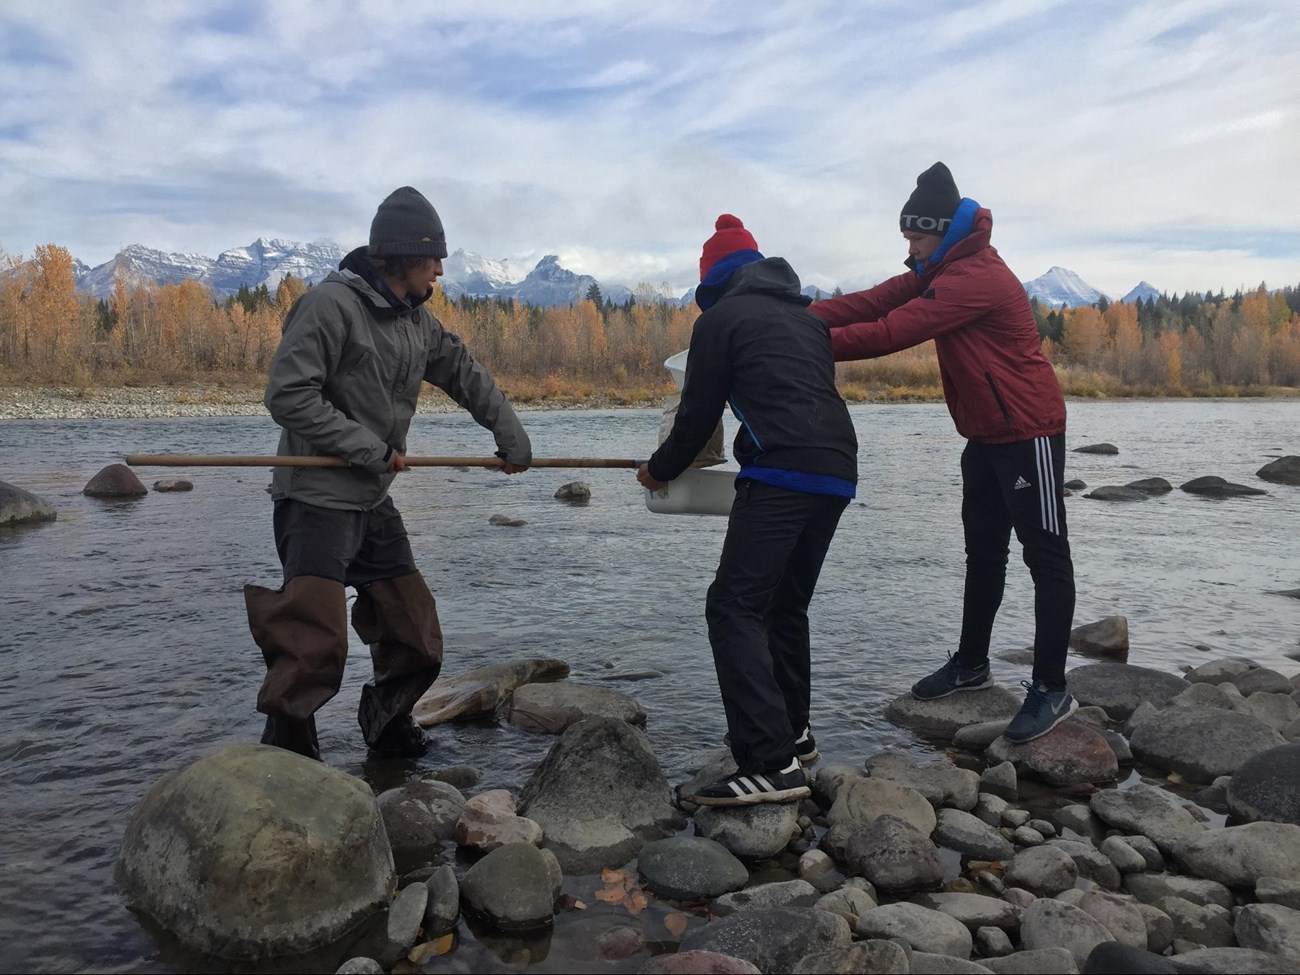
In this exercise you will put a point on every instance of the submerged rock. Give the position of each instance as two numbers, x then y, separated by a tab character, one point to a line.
481	691
550	708
115	481
1097	448
19	507
1111	492
772	939
514	887
1150	485
1105	638
1284	470
1216	487
578	492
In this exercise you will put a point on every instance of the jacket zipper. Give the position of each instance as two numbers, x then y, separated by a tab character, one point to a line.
1006	414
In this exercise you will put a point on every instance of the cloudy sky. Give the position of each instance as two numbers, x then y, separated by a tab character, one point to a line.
1155	139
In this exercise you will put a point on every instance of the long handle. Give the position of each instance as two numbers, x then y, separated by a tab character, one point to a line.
252	460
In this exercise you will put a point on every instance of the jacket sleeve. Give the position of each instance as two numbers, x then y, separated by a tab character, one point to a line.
867	306
307	357
948	303
704	396
452	369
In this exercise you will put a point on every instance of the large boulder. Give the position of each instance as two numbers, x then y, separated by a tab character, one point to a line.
1120	688
1050	923
19	507
923	928
772	939
1238	856
481	691
599	795
1151	485
860	802
1202	745
1270	927
1070	753
256	852
895	856
690	868
550	708
1211	486
1148	811
1267	786
1284	470
514	887
115	481
944	717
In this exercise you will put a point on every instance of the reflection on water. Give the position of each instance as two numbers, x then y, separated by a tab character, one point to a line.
124	651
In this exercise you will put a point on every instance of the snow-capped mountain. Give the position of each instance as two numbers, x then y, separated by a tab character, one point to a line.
1061	287
1141	292
261	262
471	274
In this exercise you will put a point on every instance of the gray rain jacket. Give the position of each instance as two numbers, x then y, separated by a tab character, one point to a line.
345	380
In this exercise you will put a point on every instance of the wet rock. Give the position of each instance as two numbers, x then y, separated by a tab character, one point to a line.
774	940
405	917
1201	744
895	856
1284	470
505	521
1091	863
444	902
461	776
876	956
574	492
1106	637
945	717
1043	870
690	868
784	893
697	963
1052	924
1219	671
923	928
974	910
1270	927
514	887
1235	961
1149	888
1111	492
599	795
550	708
1120	688
630	675
977	737
751	833
418	816
172	485
489	821
1262	680
970	836
1153	486
1042	961
1125	858
479	692
1071	752
1097	448
1216	487
19	507
115	481
1144	808
324	860
1000	780
1237	856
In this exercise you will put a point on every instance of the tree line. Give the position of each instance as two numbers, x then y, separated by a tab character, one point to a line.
152	333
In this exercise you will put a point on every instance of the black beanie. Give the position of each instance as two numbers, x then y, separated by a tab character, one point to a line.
407	223
930	208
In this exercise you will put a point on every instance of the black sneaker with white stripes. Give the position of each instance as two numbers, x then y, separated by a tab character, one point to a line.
751	788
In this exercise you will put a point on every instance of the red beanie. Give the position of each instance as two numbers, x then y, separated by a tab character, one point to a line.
731	236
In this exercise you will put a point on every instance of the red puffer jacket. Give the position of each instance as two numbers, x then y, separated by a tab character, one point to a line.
999	386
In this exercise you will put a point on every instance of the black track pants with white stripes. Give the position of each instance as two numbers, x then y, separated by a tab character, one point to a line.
1006	486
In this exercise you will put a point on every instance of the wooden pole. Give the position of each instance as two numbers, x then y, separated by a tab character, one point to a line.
252	460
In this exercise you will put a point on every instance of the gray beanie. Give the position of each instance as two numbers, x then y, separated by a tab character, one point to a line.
407	223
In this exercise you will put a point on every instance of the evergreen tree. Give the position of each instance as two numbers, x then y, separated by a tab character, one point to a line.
594	295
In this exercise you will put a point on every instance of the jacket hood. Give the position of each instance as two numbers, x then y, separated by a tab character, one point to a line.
357	273
980	237
771	276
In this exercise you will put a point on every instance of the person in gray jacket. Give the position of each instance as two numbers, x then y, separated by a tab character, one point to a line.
344	383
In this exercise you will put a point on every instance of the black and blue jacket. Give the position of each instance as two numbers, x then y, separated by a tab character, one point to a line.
758	349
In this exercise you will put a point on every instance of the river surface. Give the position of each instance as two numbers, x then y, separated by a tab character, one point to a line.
124	650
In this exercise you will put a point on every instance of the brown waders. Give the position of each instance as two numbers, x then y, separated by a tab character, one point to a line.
302	632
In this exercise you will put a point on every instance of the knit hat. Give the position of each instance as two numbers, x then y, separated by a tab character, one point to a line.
730	237
406	223
930	208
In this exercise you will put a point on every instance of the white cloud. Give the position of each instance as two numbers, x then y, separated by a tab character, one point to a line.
613	134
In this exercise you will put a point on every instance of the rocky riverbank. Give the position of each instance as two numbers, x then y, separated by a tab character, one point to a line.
1056	856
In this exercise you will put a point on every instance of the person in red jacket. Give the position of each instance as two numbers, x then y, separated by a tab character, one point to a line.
1004	398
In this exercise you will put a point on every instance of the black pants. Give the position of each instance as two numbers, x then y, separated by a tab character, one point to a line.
351	547
1017	485
757	611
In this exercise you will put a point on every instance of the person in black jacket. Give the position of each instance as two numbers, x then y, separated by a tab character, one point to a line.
758	349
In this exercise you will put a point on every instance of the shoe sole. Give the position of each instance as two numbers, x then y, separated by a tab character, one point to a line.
956	690
785	795
1035	737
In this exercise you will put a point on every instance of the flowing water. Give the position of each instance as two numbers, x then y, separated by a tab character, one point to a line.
124	651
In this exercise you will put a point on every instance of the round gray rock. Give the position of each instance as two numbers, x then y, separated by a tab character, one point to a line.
1201	745
419	816
775	939
579	491
1113	492
255	852
1144	809
895	856
1044	870
514	887
751	833
690	868
1238	856
945	717
925	929
1151	485
19	507
971	836
550	708
1267	786
1120	688
1050	923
